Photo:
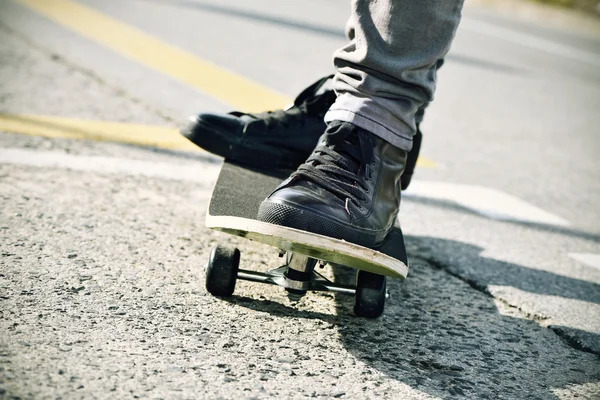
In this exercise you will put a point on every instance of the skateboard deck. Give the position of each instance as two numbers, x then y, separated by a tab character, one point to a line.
234	205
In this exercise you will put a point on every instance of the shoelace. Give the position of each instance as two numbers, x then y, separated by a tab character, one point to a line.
283	118
310	102
336	166
314	107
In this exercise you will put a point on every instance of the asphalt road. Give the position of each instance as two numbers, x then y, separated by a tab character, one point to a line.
104	245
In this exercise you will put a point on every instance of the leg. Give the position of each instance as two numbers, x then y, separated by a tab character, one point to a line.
349	188
388	70
413	154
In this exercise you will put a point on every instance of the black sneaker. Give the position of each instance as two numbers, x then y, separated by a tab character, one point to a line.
349	188
275	139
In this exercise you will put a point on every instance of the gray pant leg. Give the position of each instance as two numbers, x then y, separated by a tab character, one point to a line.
421	111
420	114
388	70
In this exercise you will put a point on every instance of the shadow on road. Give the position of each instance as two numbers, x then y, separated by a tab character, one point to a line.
463	259
441	337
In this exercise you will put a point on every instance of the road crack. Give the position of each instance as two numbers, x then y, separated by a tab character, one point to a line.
559	331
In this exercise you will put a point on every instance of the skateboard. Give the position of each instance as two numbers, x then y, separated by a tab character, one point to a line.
233	207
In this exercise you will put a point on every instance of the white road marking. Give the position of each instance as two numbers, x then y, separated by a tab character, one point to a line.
590	259
531	41
485	201
489	202
189	171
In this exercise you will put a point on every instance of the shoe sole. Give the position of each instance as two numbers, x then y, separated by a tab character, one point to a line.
297	218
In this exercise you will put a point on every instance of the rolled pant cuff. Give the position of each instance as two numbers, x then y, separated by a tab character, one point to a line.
371	126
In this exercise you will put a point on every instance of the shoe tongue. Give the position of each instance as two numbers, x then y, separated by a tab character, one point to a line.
344	139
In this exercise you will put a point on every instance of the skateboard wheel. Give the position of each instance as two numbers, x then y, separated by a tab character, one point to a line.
222	271
369	300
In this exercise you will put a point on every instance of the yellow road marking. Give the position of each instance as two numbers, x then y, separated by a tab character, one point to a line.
59	127
144	135
230	88
424	162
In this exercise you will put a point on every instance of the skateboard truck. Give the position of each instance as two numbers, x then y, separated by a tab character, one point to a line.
297	276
